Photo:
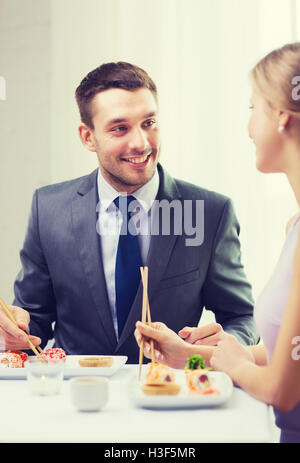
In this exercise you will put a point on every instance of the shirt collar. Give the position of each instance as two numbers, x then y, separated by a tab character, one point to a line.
145	195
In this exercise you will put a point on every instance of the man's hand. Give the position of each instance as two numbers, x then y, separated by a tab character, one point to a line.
13	337
207	335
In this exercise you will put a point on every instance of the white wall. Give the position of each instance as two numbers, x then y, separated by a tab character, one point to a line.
198	52
24	123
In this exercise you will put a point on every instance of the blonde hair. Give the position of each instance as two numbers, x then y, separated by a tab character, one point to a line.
274	76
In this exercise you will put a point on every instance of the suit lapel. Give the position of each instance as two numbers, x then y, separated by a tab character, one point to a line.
160	251
84	226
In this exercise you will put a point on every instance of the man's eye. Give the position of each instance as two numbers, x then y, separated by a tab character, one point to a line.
119	129
150	123
251	107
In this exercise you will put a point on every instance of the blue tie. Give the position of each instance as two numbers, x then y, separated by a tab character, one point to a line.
128	262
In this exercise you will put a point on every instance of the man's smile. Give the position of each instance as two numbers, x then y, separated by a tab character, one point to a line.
138	161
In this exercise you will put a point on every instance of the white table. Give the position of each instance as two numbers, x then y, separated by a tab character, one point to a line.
28	418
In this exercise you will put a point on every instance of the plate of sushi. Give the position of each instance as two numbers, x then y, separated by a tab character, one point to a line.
196	386
13	363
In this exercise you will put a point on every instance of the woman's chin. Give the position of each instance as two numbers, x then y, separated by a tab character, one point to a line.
263	167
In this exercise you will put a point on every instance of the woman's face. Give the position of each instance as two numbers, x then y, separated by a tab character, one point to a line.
263	130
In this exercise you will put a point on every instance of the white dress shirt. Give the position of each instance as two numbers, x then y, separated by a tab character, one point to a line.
109	226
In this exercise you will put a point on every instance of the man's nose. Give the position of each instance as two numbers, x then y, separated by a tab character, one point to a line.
138	140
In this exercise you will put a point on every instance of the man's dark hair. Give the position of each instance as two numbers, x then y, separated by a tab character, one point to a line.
110	75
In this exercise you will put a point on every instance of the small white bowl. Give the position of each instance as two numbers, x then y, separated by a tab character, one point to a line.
89	393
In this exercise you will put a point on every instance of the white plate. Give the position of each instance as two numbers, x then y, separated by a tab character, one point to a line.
72	368
220	381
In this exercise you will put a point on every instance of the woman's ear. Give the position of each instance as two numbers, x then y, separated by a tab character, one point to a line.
283	119
87	137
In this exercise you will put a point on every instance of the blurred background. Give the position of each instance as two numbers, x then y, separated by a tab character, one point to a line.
199	53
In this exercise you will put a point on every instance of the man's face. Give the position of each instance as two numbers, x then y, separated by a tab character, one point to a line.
126	137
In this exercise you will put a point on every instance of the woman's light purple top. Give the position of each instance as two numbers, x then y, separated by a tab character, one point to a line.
268	314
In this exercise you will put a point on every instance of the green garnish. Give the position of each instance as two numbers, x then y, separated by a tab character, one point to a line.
196	362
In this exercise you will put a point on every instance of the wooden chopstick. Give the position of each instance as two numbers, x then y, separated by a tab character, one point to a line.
145	313
38	347
12	318
150	324
148	308
144	308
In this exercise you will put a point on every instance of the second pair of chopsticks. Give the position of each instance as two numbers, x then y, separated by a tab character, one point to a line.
145	314
12	318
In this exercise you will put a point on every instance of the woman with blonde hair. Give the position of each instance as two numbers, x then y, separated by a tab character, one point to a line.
269	371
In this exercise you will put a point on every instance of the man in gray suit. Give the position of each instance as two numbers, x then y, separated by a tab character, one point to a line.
76	283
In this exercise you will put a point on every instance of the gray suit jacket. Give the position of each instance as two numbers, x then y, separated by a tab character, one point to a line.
62	277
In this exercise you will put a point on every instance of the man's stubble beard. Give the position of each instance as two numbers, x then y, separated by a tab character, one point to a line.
117	180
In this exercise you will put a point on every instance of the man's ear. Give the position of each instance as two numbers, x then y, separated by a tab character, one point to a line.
87	137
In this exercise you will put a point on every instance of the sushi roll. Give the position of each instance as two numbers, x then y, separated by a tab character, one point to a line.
159	373
198	380
22	354
55	353
160	380
197	376
11	360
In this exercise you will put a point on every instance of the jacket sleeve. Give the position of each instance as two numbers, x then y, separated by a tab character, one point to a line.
33	287
226	290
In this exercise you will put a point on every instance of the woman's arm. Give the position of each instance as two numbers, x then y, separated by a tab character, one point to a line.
259	353
279	382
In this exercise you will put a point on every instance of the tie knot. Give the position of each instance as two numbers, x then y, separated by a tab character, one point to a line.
123	203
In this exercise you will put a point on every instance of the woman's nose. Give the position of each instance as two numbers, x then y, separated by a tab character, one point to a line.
249	129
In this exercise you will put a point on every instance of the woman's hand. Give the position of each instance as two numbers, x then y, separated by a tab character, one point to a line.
169	348
229	354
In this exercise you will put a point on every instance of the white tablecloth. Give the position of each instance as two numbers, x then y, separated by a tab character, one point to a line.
28	418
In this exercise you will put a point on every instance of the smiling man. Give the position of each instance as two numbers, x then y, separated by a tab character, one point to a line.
80	278
125	136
